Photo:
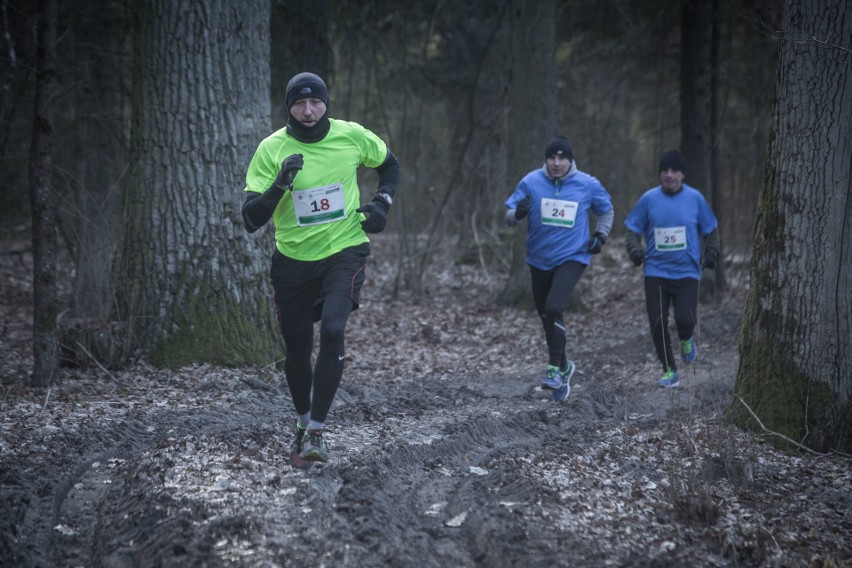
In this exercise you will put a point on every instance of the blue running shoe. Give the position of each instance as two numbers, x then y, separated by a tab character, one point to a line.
688	351
669	380
553	379
564	389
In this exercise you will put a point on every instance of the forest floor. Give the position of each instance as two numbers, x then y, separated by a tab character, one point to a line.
444	450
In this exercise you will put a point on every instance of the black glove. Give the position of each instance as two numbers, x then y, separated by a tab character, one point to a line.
596	243
638	257
378	215
709	260
523	208
289	167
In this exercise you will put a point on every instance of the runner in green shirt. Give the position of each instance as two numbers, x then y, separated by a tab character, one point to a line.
303	177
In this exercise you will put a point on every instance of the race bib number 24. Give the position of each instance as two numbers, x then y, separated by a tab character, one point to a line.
558	213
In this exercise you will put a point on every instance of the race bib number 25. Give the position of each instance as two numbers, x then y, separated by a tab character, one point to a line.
669	239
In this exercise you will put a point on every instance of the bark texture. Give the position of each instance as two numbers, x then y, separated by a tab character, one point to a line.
196	285
796	363
43	204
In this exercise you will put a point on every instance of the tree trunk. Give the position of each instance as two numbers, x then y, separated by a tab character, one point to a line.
42	201
197	287
100	152
716	202
532	118
697	87
795	369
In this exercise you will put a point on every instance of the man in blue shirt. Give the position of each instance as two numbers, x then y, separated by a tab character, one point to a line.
556	199
673	218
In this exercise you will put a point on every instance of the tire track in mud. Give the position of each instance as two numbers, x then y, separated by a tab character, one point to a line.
69	491
476	490
452	471
450	485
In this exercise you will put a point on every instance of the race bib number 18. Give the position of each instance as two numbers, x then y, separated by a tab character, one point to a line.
556	212
670	238
319	205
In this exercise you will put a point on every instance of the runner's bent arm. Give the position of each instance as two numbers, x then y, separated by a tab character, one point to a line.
603	223
634	247
388	175
377	209
257	209
712	245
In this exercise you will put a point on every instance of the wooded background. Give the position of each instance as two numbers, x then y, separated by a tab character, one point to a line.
130	125
466	94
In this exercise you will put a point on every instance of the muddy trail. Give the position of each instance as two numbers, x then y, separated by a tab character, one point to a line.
444	452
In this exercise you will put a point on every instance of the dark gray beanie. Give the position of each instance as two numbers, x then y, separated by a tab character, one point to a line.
559	145
304	86
672	159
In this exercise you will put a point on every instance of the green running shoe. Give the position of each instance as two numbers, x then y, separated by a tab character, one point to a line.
688	351
553	379
669	380
564	390
296	448
313	447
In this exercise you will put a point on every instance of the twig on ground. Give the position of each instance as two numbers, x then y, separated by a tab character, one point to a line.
782	436
98	363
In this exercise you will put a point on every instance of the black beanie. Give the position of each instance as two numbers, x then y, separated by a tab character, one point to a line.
559	145
672	159
306	85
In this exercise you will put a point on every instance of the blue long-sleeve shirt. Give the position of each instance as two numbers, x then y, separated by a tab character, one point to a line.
558	229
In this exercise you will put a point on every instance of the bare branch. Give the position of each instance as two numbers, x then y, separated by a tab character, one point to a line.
785	438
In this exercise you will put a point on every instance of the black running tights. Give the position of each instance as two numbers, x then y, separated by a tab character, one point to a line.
660	294
551	290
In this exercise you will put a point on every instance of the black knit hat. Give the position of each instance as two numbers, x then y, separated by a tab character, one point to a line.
306	85
559	145
672	159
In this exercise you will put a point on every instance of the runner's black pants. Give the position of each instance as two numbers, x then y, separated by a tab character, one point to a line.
660	295
326	291
551	290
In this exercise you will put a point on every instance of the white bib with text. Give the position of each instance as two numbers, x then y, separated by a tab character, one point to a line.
319	205
558	213
669	239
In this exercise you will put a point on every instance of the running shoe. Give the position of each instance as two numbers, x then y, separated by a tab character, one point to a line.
296	448
564	389
669	380
313	448
553	379
688	351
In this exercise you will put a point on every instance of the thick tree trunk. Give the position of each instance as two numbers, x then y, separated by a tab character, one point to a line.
795	368
196	286
43	203
532	118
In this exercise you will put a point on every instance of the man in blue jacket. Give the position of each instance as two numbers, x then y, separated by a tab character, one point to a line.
556	199
673	218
